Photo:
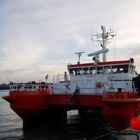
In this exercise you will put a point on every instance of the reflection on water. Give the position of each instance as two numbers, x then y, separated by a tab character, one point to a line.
75	128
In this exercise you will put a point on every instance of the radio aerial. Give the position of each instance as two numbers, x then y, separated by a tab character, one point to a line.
103	40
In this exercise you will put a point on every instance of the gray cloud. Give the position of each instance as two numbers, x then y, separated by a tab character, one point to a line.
44	33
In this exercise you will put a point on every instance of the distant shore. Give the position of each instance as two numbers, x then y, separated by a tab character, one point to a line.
4	86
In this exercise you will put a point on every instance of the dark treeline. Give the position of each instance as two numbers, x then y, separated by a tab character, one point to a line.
4	86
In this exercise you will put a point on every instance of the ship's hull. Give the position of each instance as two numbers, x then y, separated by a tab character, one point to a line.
27	103
39	106
33	104
119	116
120	107
33	107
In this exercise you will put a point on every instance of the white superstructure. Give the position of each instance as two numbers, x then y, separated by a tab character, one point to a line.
97	77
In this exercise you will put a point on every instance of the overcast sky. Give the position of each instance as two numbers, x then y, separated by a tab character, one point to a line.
39	37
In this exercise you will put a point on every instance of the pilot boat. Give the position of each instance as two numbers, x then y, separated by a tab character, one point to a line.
111	88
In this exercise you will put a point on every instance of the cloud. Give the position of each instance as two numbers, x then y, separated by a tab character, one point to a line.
38	36
20	53
35	73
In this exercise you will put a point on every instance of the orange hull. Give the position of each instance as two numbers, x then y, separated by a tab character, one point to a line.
119	116
27	103
120	107
36	104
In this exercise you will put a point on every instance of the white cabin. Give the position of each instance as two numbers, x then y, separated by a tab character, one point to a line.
97	77
91	78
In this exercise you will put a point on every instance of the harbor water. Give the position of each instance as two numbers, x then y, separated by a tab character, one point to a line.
11	127
10	123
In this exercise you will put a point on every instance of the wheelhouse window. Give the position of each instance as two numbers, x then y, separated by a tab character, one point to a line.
79	71
120	68
92	70
72	71
123	68
99	70
107	69
76	71
86	71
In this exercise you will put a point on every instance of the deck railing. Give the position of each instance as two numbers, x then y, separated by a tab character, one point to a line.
60	78
27	86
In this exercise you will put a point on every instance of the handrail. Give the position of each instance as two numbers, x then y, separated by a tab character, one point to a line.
61	78
27	86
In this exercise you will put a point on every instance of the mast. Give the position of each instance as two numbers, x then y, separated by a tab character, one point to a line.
103	39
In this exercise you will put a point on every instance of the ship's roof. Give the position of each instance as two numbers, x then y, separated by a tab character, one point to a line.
99	64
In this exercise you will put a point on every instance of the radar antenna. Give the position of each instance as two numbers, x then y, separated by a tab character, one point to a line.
79	55
103	39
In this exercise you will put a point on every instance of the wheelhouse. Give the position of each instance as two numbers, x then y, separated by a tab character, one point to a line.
110	67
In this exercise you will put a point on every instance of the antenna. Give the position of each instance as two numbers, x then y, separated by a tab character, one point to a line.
79	55
103	39
98	52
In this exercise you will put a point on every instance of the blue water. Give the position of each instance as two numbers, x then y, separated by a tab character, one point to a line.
11	127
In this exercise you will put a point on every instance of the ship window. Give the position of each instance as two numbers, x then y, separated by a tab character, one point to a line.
86	71
107	69
99	70
73	71
116	69
120	69
125	68
79	71
92	70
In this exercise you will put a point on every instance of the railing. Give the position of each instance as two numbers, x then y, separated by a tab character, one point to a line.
27	86
61	78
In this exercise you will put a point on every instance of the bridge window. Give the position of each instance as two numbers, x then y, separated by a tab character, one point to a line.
72	71
120	69
86	71
107	69
92	70
77	71
99	70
